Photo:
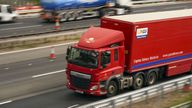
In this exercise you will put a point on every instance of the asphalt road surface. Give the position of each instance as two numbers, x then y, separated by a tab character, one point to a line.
36	25
58	99
28	71
38	82
29	76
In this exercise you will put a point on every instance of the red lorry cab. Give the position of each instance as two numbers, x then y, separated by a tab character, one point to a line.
130	51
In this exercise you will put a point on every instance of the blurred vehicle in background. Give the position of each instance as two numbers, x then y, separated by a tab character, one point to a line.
68	10
7	13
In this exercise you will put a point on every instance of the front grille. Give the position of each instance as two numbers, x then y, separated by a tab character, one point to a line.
81	83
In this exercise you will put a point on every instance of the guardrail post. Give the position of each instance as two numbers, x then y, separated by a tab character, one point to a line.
160	96
92	107
177	87
146	96
130	101
162	91
187	86
113	103
190	81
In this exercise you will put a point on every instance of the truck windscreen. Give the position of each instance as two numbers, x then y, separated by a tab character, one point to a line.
85	58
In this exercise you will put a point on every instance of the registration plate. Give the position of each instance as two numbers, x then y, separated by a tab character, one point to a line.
78	91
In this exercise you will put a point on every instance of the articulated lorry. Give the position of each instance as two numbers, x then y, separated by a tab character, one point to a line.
130	51
7	13
68	10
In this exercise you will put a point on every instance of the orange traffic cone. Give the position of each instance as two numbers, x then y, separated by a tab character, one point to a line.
57	24
52	54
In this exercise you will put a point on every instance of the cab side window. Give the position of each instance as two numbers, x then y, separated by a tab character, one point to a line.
106	57
9	9
116	55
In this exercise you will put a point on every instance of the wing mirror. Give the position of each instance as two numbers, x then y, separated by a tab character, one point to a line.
68	52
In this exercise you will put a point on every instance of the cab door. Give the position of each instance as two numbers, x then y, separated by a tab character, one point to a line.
117	61
111	62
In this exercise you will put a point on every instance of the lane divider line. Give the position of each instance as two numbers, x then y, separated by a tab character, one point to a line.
49	73
6	102
30	64
11	24
31	49
21	27
73	106
6	68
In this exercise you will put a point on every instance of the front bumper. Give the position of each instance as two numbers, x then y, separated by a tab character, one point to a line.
97	92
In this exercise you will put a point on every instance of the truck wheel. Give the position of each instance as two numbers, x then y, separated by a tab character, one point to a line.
112	89
102	13
151	78
138	81
79	16
71	16
128	10
107	12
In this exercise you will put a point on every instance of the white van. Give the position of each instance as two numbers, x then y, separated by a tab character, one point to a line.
7	13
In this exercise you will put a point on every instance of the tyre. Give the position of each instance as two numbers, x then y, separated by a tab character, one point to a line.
79	16
128	10
102	13
107	12
112	89
138	81
151	78
71	17
14	19
47	21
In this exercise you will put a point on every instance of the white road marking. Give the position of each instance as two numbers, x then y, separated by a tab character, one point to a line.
6	68
29	64
178	7
145	10
5	102
11	24
73	106
31	49
20	27
49	73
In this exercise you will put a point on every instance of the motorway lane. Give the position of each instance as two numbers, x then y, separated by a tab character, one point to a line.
36	25
163	7
22	78
17	78
29	71
32	53
62	98
19	70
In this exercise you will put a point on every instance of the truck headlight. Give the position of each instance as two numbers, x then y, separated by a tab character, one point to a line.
95	87
68	82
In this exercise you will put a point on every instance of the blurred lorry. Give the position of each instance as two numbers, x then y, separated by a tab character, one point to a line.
7	13
68	10
130	51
